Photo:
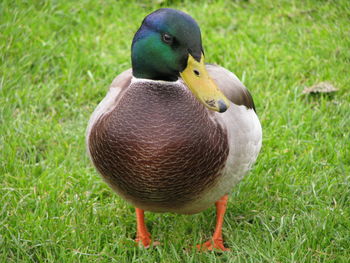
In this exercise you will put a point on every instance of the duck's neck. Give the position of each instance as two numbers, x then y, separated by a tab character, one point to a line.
141	72
164	82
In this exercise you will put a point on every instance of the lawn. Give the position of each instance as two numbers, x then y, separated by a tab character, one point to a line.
57	59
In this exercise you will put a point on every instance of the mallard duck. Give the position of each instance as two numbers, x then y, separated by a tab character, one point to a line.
174	134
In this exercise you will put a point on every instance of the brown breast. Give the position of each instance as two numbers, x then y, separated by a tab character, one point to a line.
159	147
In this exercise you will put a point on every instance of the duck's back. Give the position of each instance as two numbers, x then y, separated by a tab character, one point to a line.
158	146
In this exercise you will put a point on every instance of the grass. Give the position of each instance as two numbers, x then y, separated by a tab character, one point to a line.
57	59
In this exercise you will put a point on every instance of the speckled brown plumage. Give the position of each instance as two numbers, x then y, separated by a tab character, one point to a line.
160	148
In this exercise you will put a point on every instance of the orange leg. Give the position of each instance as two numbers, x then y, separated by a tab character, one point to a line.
143	237
216	241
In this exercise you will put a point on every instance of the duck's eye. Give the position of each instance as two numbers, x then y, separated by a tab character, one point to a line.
168	39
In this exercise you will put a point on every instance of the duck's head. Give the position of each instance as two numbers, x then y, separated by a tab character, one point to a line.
167	46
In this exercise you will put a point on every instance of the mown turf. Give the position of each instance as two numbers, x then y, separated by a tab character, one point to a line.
57	59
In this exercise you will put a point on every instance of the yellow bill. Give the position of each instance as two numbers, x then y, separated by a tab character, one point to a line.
202	86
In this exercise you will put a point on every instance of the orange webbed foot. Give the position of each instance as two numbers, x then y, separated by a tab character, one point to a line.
216	242
144	240
212	245
143	237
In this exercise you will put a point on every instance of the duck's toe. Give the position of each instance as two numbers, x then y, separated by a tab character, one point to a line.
213	244
146	242
143	239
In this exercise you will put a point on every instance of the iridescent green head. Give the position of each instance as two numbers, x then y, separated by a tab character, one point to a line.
161	46
168	45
